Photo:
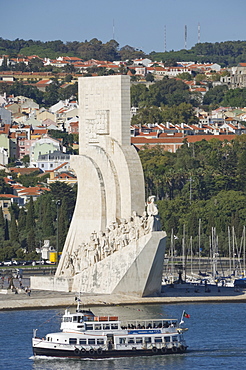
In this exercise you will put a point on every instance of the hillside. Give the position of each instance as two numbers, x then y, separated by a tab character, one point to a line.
225	53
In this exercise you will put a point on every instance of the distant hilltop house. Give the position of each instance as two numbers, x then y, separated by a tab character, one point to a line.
52	160
236	78
45	145
62	173
21	194
6	200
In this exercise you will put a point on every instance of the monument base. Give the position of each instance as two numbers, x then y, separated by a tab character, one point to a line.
134	270
51	283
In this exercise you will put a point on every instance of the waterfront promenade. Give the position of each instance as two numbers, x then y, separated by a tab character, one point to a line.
40	299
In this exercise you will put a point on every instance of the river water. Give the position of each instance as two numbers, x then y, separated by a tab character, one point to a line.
216	338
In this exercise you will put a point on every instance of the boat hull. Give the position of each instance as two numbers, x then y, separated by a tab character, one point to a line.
100	354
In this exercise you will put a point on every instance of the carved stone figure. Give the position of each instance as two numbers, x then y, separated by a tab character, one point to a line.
153	219
92	250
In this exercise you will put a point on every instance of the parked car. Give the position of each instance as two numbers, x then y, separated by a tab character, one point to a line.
7	263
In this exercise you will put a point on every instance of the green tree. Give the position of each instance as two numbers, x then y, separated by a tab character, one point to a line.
14	237
2	225
215	96
150	77
51	95
138	94
22	220
185	76
30	216
6	230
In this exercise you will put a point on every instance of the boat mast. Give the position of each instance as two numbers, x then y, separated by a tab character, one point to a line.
199	246
233	252
191	260
183	251
244	251
229	249
172	253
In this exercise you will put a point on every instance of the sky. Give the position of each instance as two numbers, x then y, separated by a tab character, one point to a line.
142	24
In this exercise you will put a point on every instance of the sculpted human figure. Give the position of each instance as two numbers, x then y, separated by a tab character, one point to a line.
92	249
123	233
153	217
137	223
112	238
83	255
132	234
101	245
107	250
69	267
143	224
77	260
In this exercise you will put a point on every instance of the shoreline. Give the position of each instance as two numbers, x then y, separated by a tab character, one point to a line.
49	299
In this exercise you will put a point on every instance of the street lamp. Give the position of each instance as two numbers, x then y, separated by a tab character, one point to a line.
58	203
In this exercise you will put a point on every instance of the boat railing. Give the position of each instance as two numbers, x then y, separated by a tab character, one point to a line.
106	318
149	324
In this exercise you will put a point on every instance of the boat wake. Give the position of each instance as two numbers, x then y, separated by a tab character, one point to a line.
51	358
48	358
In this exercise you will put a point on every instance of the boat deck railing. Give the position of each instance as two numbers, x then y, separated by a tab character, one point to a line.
149	324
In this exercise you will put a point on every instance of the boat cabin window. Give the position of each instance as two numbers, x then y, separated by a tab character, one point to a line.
130	340
158	339
147	339
175	338
114	326
100	341
106	326
139	340
122	340
167	339
98	327
89	327
67	319
82	341
72	340
91	341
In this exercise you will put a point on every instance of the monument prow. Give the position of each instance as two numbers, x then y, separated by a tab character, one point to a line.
113	244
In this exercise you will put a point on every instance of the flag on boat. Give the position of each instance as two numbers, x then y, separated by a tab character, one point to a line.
186	315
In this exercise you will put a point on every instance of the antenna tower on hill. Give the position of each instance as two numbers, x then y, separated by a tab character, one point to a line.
199	33
165	39
113	30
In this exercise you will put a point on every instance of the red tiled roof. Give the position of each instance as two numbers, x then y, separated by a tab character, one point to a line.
194	138
8	196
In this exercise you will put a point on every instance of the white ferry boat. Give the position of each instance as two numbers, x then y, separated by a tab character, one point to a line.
84	335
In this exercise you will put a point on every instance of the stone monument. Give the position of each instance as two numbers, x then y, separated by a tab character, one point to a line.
114	245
